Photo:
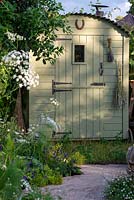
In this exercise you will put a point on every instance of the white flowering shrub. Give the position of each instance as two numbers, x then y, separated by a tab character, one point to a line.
121	188
18	61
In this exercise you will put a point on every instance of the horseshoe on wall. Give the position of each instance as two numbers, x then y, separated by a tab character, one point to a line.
79	27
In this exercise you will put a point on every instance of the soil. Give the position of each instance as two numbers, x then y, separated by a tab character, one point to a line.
88	186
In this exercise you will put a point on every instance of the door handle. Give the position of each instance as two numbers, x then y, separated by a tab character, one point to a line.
97	84
101	69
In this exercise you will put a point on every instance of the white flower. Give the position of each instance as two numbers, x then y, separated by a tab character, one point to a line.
17	133
3	167
27	186
14	36
28	88
20	85
21	140
51	122
13	56
18	62
14	76
54	101
20	76
24	75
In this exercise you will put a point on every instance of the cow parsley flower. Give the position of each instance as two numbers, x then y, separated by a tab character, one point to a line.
54	101
14	36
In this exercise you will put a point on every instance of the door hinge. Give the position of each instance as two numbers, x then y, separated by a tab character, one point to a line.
61	133
54	89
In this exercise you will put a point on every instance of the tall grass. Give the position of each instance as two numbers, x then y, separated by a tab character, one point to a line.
104	152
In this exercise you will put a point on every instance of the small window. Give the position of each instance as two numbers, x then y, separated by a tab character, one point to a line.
79	54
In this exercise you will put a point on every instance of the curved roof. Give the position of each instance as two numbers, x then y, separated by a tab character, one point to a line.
127	20
102	18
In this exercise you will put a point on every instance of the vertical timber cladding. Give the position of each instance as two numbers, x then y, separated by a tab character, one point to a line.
81	105
84	93
39	97
113	115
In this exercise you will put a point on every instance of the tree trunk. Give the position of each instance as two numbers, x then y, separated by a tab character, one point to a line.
18	112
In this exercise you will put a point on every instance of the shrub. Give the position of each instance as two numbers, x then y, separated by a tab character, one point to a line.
33	160
121	188
62	158
78	158
46	177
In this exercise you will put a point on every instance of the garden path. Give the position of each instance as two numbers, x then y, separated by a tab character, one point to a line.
88	186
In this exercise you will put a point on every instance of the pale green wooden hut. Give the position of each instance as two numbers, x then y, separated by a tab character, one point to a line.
90	81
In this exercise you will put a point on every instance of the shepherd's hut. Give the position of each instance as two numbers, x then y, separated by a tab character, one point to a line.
89	81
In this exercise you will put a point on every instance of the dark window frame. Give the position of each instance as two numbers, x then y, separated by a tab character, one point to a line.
79	54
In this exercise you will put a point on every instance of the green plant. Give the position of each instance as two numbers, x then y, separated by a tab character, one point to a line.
7	127
26	25
103	152
33	160
43	176
36	194
8	92
78	158
121	188
25	21
19	171
62	157
10	182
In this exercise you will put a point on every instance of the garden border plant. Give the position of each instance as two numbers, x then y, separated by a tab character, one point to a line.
120	188
25	25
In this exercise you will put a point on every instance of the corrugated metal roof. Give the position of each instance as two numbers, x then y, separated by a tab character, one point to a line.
127	20
103	19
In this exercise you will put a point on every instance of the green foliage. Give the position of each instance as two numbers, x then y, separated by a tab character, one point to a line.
132	6
131	55
7	127
13	166
131	49
37	22
8	89
10	182
103	152
62	158
40	175
78	158
120	188
36	194
34	160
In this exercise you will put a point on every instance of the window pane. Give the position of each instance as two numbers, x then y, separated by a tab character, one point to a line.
79	53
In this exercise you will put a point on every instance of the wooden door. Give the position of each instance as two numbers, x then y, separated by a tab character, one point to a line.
78	87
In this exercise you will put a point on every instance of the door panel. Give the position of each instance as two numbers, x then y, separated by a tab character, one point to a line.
80	109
